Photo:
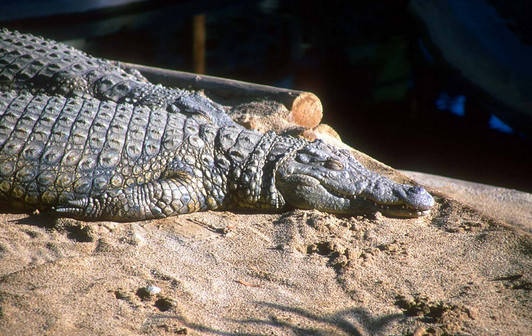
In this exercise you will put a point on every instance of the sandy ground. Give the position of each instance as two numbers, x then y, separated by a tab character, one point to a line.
459	271
511	206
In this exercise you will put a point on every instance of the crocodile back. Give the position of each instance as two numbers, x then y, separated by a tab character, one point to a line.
54	148
31	63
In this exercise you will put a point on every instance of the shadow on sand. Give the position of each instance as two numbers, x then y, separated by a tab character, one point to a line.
354	321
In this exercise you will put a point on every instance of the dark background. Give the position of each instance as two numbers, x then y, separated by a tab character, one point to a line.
377	75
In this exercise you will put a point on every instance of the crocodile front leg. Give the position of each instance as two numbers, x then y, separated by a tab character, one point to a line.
155	199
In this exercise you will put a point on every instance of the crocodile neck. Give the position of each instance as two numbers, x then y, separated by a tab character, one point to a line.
252	180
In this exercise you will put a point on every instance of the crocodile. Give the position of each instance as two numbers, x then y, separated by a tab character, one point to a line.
76	150
33	64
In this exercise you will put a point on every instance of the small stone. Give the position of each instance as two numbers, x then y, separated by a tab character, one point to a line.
135	237
153	290
145	293
111	226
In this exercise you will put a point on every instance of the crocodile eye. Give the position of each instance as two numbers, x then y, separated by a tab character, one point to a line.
333	164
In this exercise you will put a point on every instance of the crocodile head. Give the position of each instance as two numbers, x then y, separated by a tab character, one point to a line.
320	176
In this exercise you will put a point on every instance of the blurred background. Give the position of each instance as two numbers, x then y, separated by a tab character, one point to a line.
443	87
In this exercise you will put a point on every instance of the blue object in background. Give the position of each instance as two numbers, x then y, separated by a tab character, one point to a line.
497	124
487	43
455	105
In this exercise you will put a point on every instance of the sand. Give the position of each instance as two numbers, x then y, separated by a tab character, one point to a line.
458	271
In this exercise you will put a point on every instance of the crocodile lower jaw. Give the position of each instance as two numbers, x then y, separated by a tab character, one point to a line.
403	213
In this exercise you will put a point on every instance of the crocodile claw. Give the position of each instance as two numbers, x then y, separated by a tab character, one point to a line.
74	208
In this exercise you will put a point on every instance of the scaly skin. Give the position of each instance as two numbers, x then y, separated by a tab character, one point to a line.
32	64
323	177
93	157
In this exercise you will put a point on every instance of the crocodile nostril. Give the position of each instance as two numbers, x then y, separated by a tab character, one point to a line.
416	189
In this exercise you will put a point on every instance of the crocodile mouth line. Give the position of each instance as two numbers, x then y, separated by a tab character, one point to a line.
389	210
398	210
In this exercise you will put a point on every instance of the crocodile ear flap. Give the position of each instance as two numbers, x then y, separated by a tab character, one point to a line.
178	169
